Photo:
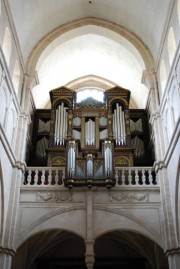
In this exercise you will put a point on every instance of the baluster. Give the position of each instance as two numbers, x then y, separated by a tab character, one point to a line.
156	180
49	180
136	177
150	178
43	177
143	177
129	177
123	176
116	176
63	175
56	177
36	178
29	177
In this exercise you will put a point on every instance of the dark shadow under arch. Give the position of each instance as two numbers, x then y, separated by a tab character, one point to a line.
125	249
50	249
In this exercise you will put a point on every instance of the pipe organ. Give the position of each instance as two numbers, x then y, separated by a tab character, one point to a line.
90	137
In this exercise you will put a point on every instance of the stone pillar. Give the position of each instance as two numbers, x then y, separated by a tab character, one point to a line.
174	258
89	231
89	254
6	258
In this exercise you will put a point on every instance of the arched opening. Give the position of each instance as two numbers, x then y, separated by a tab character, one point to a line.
16	76
163	76
7	45
51	249
125	249
171	45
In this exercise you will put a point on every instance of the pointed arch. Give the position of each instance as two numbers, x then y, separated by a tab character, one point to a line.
163	76
7	45
16	76
171	45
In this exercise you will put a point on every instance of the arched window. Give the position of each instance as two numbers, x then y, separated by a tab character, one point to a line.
16	76
163	76
171	45
95	93
7	45
178	10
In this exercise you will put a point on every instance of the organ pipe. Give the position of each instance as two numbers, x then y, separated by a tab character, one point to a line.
60	125
119	132
90	132
71	158
108	158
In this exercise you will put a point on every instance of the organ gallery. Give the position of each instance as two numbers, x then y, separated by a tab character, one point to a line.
89	138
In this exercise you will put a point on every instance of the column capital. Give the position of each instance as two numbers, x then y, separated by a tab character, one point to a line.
7	251
172	251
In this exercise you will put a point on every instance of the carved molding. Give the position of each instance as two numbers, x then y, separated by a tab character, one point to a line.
7	251
172	251
129	197
53	196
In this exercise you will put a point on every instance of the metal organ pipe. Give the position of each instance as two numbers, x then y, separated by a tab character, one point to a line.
90	132
71	158
60	125
108	158
119	132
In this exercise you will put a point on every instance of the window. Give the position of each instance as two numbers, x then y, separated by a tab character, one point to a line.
171	45
163	76
16	76
7	45
95	93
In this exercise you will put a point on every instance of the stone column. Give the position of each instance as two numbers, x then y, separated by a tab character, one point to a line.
6	258
89	231
174	258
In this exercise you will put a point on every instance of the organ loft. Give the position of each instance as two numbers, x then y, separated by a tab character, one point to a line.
90	138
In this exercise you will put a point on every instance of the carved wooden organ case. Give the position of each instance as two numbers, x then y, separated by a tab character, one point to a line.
90	138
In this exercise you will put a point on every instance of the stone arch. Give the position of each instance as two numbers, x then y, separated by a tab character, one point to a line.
133	39
123	221
51	239
60	218
7	45
127	244
171	44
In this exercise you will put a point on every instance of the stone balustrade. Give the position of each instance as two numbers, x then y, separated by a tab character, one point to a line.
136	176
43	176
125	176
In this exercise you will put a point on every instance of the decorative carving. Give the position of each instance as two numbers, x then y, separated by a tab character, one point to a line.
128	196
97	165
58	161
53	196
122	161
